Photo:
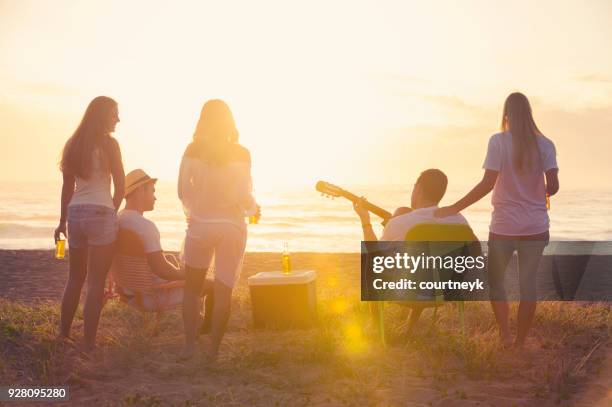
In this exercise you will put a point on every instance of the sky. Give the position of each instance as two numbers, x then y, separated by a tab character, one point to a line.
346	91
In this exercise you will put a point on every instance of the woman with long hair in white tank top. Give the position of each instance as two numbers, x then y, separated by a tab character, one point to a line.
91	158
521	170
215	188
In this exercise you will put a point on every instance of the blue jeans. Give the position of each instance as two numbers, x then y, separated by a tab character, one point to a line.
91	225
529	250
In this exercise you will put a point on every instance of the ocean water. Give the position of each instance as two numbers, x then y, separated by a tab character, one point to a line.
301	216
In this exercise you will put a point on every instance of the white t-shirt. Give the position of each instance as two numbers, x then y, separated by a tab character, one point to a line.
143	227
519	198
398	226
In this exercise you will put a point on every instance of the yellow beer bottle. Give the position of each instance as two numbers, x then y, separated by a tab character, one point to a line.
286	259
60	248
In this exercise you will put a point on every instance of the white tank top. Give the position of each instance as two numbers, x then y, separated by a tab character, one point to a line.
96	190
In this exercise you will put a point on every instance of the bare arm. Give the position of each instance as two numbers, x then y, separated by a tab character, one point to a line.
366	223
161	267
247	200
116	167
67	192
182	180
552	181
479	191
368	233
476	194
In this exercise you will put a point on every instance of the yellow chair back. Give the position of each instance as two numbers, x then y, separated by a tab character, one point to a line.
440	232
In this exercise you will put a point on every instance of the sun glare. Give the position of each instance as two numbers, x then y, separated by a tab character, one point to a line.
354	339
310	100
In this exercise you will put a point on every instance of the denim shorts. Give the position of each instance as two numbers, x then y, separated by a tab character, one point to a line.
91	225
529	251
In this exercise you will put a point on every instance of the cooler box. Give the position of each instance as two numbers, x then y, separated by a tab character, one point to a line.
283	300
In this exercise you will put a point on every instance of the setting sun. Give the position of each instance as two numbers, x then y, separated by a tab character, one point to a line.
295	203
314	93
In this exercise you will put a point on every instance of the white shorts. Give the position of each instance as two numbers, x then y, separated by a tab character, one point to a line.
223	241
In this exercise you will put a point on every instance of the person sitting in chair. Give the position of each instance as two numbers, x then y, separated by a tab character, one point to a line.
140	198
427	192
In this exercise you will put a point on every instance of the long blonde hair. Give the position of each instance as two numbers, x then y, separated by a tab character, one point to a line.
518	120
91	134
215	134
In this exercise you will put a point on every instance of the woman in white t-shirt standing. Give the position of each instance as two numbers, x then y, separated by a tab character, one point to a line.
215	188
90	160
519	160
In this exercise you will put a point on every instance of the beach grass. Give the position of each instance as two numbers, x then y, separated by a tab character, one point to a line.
339	361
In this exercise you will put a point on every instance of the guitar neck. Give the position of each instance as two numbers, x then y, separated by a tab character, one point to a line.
377	210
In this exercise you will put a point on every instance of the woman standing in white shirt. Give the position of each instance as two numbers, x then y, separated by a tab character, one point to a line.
216	191
518	161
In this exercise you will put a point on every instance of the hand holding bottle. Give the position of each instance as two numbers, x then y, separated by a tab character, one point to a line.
60	243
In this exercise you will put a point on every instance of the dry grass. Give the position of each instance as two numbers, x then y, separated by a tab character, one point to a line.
338	362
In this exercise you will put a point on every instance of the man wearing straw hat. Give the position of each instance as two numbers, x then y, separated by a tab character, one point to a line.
140	198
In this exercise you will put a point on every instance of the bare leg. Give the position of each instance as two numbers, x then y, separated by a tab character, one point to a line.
209	303
100	260
191	307
221	313
500	253
375	312
72	291
415	314
529	255
526	313
501	309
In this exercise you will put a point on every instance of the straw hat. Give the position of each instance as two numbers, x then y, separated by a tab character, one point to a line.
135	179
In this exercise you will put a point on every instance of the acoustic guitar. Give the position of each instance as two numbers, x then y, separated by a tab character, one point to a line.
335	191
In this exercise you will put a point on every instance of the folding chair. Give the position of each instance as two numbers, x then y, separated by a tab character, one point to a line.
134	279
434	232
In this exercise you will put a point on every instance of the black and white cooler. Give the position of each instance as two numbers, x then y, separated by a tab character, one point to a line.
283	300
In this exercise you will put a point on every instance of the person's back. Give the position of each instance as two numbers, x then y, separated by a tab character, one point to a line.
145	229
517	162
216	191
427	193
213	192
91	158
95	189
399	226
519	196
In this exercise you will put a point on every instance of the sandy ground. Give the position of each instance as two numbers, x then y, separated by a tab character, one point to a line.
34	276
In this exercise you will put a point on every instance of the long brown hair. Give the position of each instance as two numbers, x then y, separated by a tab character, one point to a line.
518	120
215	133
92	133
